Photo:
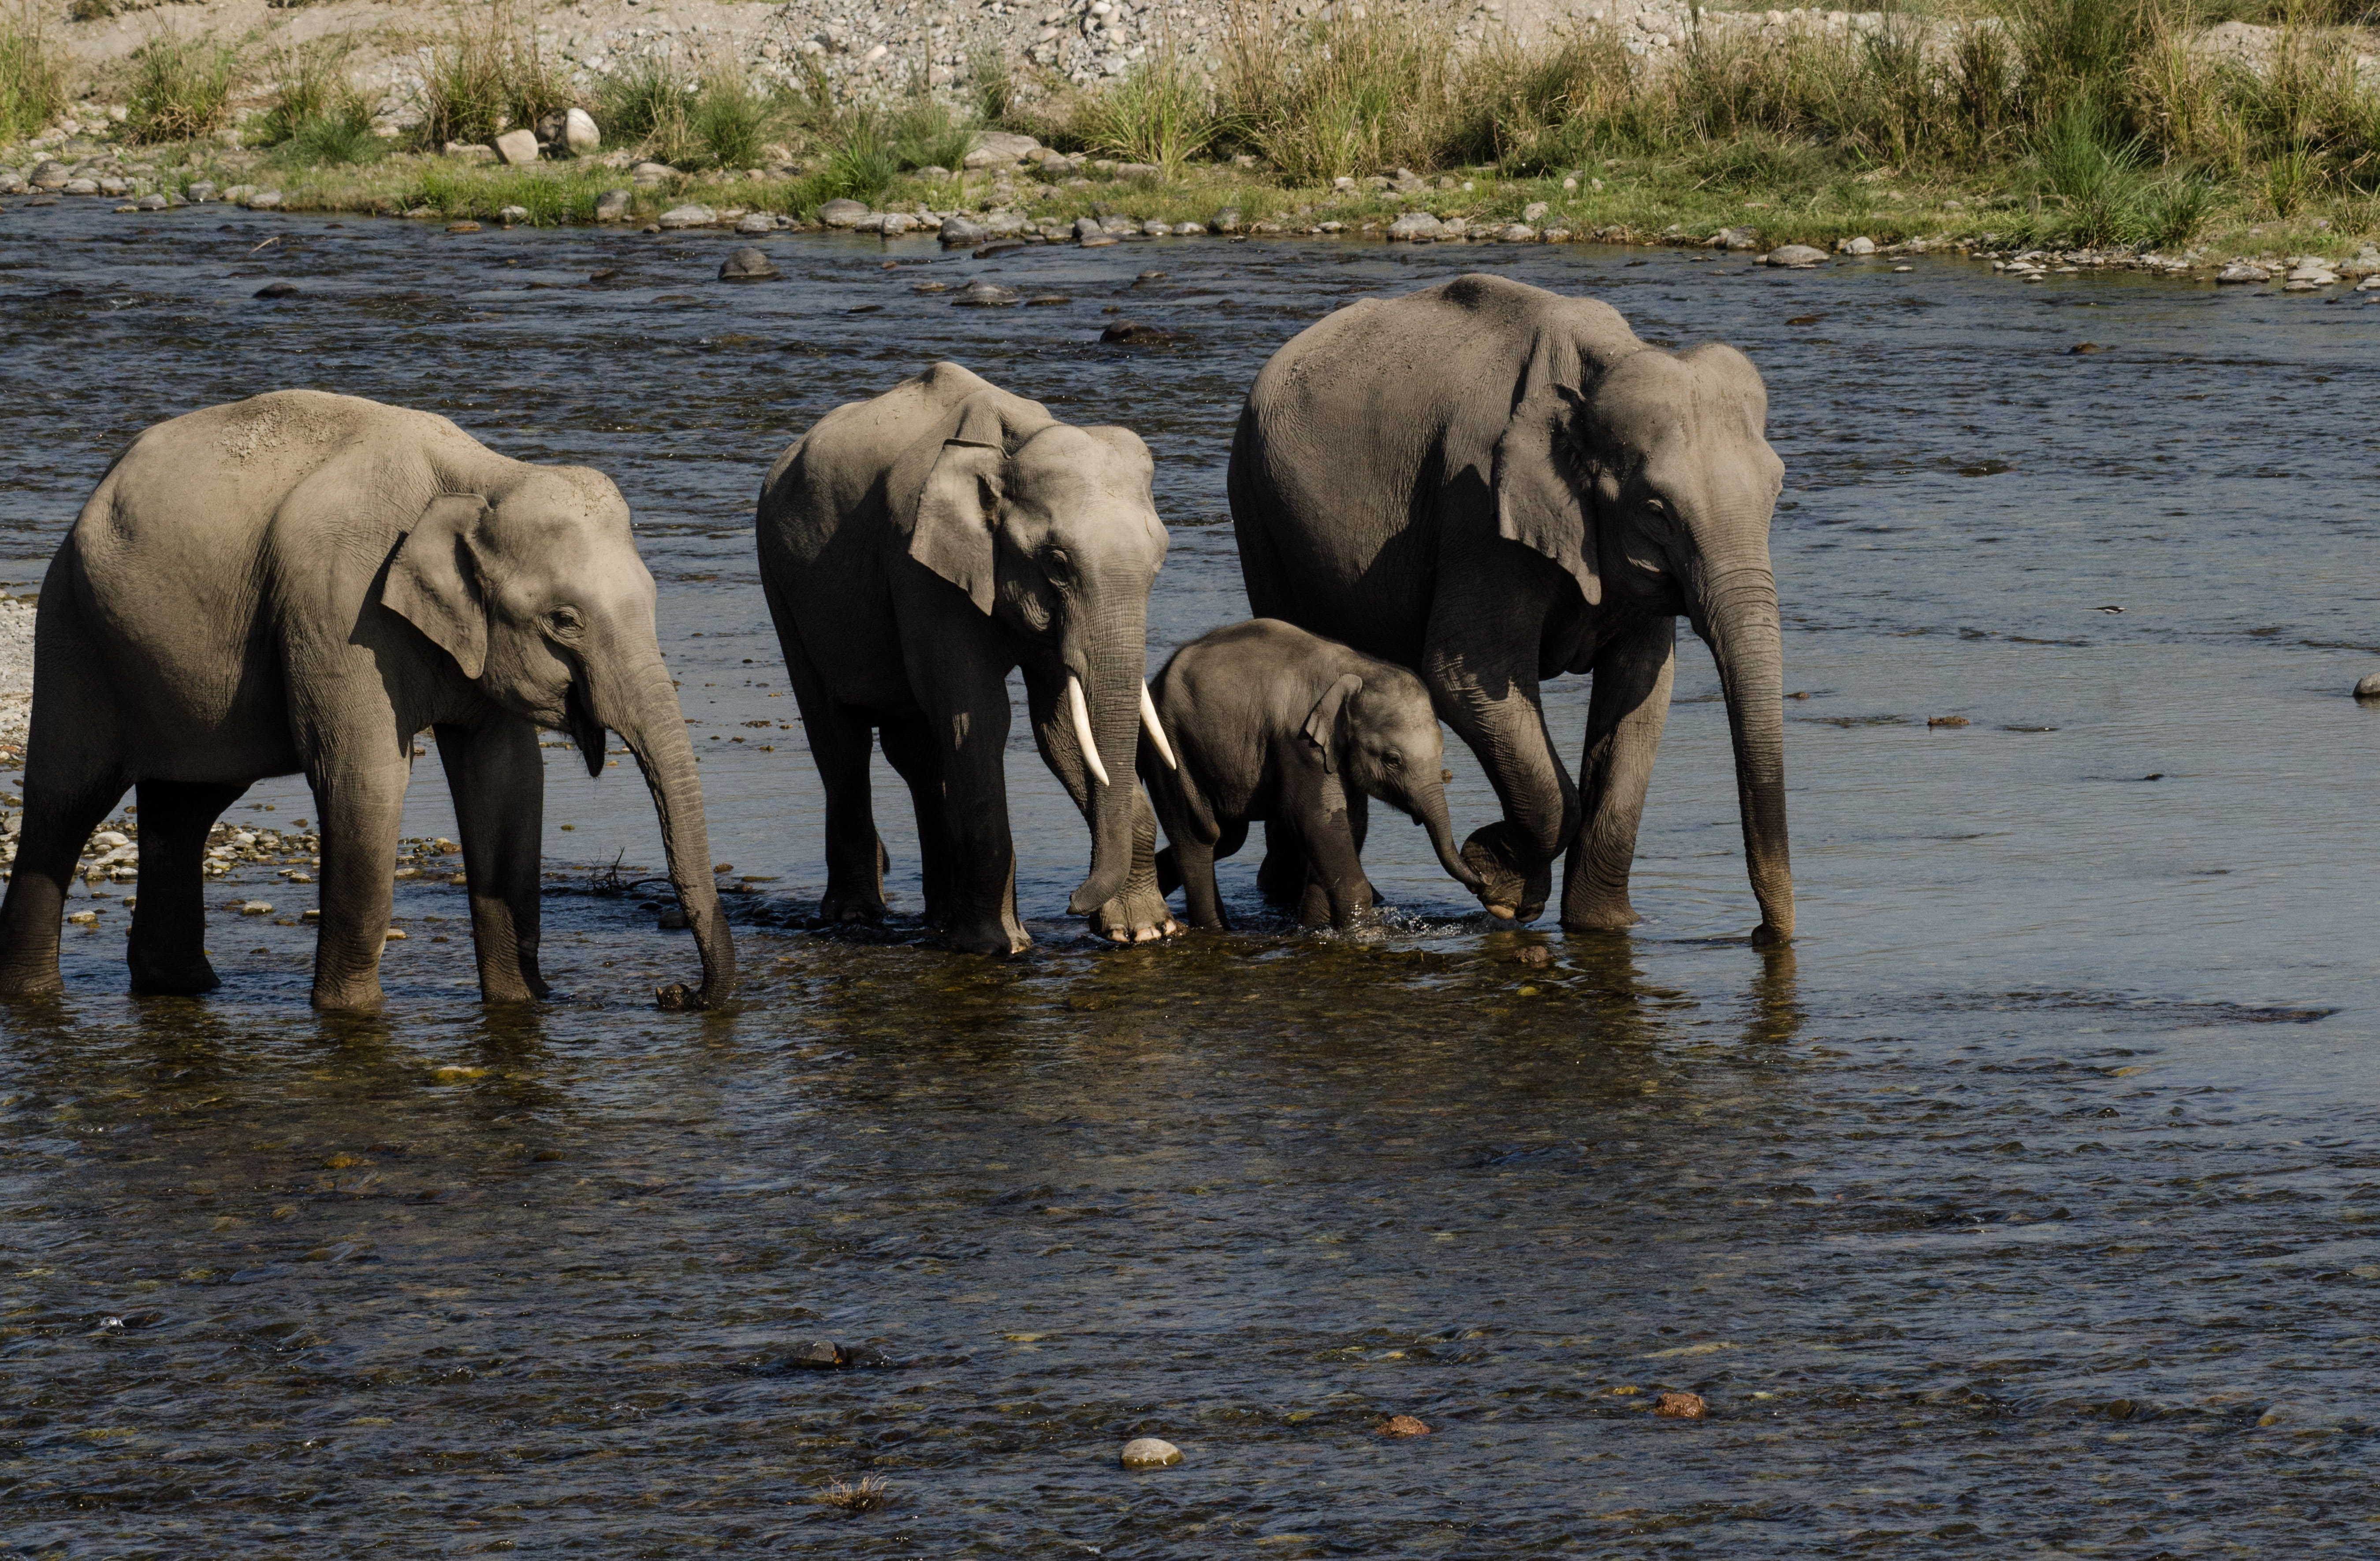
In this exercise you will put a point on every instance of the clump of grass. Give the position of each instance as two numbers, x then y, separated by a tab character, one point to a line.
644	100
872	1494
181	88
925	134
553	195
1350	94
992	82
860	168
486	75
32	74
729	121
1539	111
1159	113
2098	176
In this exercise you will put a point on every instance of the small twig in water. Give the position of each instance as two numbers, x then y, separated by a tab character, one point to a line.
870	1496
267	244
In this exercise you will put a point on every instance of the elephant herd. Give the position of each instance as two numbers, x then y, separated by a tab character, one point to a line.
1439	501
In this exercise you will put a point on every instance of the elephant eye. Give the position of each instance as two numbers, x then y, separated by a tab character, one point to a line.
566	620
1394	760
1057	565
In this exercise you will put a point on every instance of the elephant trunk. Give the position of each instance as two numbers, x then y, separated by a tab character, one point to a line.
642	707
1739	620
1429	809
1108	662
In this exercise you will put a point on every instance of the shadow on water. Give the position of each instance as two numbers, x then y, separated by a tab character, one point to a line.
2025	1205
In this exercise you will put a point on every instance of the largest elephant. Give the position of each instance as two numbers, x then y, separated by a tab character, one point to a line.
1494	484
300	583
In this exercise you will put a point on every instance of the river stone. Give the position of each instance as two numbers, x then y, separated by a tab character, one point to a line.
1089	227
277	290
613	205
999	149
1862	245
1416	227
510	214
1225	221
653	172
840	213
756	222
2368	686
263	200
672	919
1188	230
114	186
958	232
1794	255
1535	210
80	186
1518	233
893	224
1403	1425
579	132
688	217
2242	270
983	294
1150	1452
517	146
152	203
49	174
2368	284
746	264
203	191
1736	238
1133	333
1681	1406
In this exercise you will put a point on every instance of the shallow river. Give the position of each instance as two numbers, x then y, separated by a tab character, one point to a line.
2031	1202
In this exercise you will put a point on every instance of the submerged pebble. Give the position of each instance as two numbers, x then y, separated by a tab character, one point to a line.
1681	1406
1403	1425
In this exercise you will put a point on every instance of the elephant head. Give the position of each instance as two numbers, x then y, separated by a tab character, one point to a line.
1379	735
1051	531
535	590
1647	477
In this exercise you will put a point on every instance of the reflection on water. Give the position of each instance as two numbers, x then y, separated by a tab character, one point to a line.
2024	1204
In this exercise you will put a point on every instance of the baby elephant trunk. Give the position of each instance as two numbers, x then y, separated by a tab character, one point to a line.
1429	811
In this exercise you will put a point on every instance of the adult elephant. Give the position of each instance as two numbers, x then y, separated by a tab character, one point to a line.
918	547
1494	484
300	583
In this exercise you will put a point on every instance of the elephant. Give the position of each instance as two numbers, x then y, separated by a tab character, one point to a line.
300	583
1494	484
916	547
1266	721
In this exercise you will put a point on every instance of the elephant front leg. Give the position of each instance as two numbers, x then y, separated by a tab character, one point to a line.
971	726
1507	730
1633	673
499	790
1138	913
167	950
359	798
1337	894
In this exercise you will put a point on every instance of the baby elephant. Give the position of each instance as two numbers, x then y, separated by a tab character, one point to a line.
1269	722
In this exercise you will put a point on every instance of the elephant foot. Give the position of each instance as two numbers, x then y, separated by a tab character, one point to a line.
1137	915
1599	914
982	937
1767	936
1514	882
350	996
31	984
178	980
846	909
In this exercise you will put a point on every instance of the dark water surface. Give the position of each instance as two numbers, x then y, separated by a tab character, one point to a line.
2031	1204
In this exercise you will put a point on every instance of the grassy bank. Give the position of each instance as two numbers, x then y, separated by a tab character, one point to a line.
2061	124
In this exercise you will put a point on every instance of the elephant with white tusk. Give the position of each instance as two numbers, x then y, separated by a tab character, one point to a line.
302	583
916	548
1493	484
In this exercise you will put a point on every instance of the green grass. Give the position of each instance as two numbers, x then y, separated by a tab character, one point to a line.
487	75
32	74
1158	114
316	116
181	88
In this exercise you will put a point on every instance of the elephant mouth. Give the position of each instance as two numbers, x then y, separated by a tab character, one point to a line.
584	731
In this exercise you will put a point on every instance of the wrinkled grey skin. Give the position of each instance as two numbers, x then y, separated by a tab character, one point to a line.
1269	722
1493	484
915	548
302	583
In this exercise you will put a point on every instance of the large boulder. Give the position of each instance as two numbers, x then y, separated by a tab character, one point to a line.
1793	255
517	146
614	205
999	149
579	133
842	212
747	264
957	232
1416	227
688	217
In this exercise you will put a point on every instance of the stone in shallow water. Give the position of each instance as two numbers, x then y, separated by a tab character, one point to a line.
842	213
1857	246
1794	255
746	264
757	222
1133	333
983	294
1150	1452
277	290
2241	271
613	205
1681	1406
2368	686
688	217
958	232
1403	1425
1416	227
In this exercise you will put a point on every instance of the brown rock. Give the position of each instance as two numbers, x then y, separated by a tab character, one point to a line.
1403	1425
1681	1406
1535	954
1946	720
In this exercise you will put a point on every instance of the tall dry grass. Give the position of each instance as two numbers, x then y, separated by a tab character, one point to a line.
181	87
33	73
487	75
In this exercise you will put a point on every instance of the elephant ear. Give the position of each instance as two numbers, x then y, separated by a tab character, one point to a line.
434	580
1322	721
956	534
1537	500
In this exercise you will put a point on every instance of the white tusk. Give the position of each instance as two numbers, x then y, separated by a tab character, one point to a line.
1082	713
1148	720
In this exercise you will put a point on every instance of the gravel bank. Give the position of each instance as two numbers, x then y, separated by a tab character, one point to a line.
16	673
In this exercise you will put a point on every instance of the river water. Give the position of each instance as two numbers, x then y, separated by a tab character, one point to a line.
2030	1204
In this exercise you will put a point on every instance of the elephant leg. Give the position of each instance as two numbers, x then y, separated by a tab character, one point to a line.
1359	825
359	800
1336	892
1202	902
1630	704
909	748
971	755
498	783
169	946
840	740
59	816
1280	877
1506	728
